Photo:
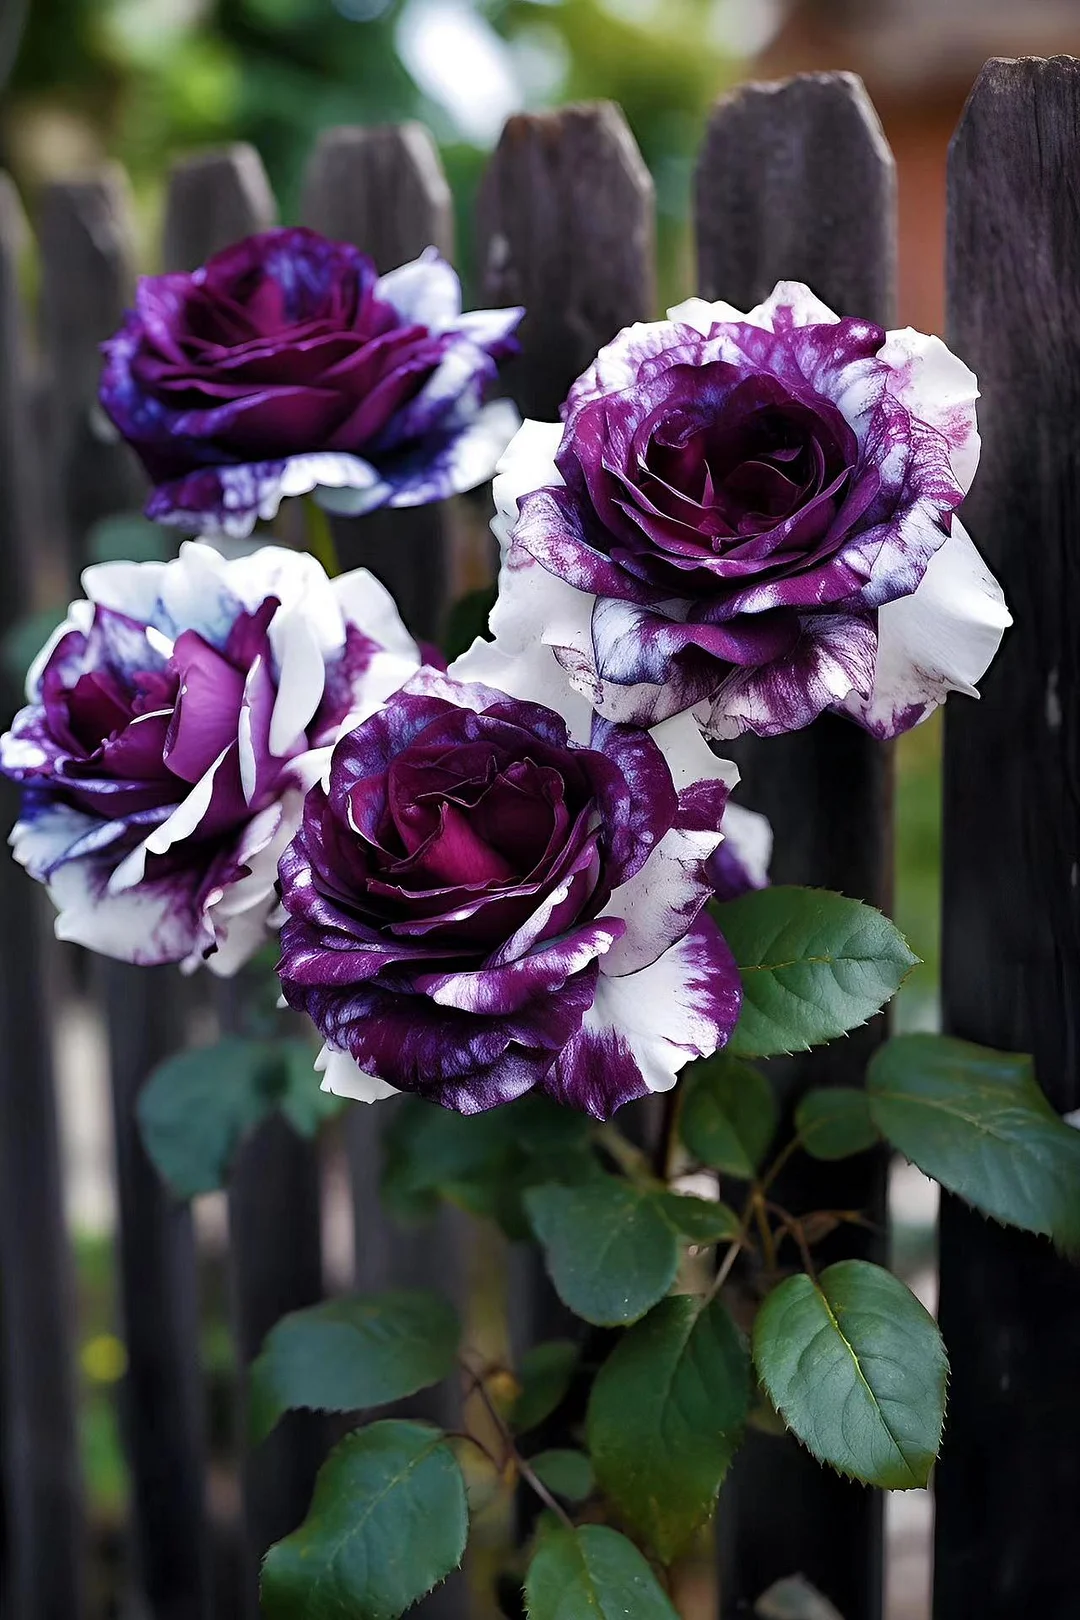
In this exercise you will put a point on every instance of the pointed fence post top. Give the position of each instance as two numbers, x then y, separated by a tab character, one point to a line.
565	221
382	188
214	199
795	181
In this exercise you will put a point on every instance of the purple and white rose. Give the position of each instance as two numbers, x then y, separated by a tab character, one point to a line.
490	895
173	724
288	364
754	517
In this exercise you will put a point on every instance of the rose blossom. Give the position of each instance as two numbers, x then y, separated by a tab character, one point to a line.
488	896
754	516
287	363
174	722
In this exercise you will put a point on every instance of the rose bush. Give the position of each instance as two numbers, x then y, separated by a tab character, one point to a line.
487	896
754	517
287	363
173	724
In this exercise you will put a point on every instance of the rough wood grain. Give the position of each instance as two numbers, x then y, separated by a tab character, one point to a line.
795	181
384	189
275	1247
1010	1309
86	244
566	226
42	1530
214	198
85	236
162	1397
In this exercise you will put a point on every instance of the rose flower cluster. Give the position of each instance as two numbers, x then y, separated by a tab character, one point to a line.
489	879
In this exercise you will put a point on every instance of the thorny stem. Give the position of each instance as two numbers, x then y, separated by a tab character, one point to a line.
794	1228
665	1141
626	1155
511	1451
754	1205
768	1243
778	1164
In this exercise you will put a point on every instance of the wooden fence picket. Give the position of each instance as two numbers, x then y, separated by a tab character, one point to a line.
795	181
42	1569
566	227
384	189
1010	1307
85	235
275	1244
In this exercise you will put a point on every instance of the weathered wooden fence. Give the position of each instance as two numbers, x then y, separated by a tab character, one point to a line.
793	180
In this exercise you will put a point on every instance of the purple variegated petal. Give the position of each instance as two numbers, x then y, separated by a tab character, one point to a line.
832	665
230	500
741	863
642	1028
941	639
174	736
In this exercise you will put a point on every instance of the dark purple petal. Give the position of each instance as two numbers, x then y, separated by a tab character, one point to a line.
284	347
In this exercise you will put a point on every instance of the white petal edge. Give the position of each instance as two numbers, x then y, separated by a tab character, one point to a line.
750	837
660	1012
940	639
527	463
344	1078
936	387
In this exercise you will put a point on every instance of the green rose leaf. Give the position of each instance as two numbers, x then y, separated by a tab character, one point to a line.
592	1574
197	1107
482	1162
728	1115
351	1353
702	1220
568	1474
834	1122
814	964
544	1375
976	1121
388	1522
666	1416
857	1369
610	1250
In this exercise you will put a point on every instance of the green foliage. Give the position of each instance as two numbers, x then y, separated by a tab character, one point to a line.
834	1122
814	965
544	1376
484	1162
610	1250
728	1115
568	1474
388	1522
592	1574
197	1107
666	1416
348	1354
976	1121
700	1219
857	1369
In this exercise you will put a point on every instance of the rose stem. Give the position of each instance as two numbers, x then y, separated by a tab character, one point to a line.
320	537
